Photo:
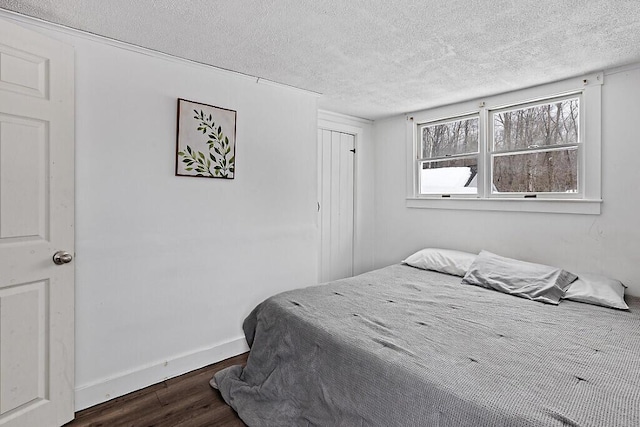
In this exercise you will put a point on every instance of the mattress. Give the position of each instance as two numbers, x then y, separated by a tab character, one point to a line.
401	346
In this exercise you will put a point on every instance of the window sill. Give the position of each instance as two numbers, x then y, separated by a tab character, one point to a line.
584	207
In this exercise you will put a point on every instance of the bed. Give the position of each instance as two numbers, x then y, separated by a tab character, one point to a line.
401	346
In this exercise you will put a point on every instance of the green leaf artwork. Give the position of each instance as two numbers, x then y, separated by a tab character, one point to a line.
206	141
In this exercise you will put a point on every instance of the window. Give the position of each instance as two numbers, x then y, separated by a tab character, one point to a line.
534	149
523	147
449	156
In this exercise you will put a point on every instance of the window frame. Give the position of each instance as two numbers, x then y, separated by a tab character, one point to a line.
588	198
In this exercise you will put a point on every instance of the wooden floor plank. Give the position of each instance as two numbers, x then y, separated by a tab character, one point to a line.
185	401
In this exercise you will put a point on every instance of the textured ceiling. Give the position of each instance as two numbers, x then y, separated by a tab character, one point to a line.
372	58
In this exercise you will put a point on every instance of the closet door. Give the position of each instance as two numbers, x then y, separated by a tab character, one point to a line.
336	154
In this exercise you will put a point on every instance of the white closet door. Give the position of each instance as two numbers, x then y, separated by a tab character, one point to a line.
336	192
36	221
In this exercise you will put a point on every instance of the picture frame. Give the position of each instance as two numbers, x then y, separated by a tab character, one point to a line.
205	141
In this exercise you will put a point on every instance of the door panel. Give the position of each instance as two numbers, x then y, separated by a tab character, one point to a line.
24	349
336	154
23	178
36	220
23	72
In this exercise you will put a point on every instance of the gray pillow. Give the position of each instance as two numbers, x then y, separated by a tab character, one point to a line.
536	282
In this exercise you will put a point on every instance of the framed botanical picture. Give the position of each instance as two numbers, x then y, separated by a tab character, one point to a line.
206	141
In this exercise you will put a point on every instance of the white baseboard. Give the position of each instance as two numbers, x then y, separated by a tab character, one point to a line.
107	389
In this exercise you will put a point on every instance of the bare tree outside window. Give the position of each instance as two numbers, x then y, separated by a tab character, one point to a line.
550	171
450	139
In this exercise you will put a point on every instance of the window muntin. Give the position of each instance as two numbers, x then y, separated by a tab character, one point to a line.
448	156
535	148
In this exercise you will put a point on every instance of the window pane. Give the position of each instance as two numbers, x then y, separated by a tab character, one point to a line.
541	172
542	125
451	138
456	176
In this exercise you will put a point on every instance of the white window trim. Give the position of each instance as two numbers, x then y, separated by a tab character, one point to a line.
590	86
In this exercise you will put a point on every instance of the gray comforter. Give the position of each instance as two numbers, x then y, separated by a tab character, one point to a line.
406	347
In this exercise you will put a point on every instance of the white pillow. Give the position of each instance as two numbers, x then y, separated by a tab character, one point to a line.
598	290
443	260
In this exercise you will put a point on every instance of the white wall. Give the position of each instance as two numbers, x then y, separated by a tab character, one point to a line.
168	267
608	243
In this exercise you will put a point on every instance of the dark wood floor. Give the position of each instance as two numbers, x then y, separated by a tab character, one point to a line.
185	401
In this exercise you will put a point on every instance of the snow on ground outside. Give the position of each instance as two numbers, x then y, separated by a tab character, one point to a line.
446	181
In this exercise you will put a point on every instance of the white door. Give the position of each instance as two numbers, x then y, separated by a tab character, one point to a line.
36	220
336	153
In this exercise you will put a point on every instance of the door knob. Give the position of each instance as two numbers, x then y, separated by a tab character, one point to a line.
62	257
